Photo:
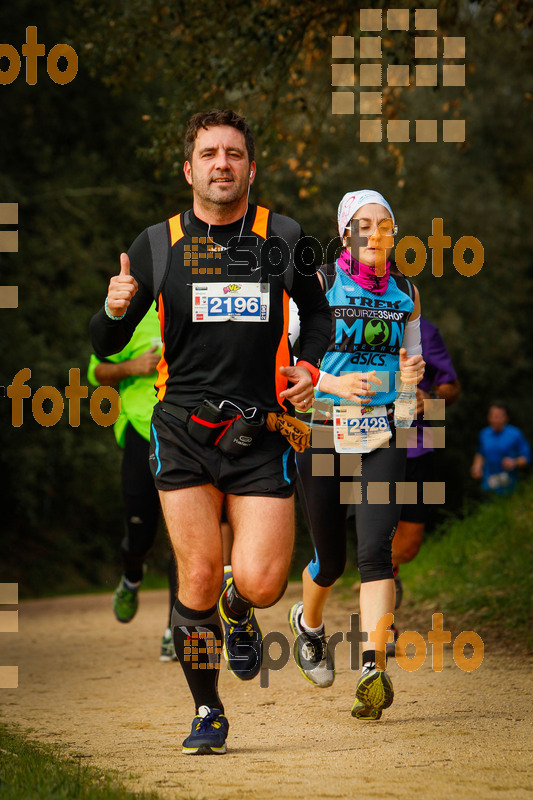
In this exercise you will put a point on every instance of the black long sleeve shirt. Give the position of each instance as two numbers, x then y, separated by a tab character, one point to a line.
222	360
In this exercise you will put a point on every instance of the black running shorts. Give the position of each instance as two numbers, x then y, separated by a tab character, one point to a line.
177	461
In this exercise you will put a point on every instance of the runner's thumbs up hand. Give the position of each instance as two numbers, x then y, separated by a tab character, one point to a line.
122	288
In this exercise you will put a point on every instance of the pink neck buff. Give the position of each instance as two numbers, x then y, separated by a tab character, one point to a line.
364	276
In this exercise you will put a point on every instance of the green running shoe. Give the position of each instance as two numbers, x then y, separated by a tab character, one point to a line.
125	602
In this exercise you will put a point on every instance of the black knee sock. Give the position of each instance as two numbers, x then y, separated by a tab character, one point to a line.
197	641
235	605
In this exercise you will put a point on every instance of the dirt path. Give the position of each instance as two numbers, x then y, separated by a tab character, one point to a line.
98	688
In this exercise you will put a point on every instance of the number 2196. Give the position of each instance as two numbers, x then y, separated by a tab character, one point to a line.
233	305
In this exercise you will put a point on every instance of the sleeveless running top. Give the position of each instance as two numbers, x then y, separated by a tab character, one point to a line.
367	330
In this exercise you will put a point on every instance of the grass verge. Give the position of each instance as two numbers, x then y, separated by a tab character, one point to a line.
31	771
481	566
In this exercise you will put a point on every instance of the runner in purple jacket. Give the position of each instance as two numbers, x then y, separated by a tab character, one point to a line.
439	382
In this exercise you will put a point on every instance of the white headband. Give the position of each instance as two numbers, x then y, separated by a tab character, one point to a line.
353	201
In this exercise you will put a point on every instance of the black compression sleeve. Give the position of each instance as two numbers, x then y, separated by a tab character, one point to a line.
111	336
314	310
142	266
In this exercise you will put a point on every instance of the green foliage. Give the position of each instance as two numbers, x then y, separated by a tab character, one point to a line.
82	198
30	771
481	566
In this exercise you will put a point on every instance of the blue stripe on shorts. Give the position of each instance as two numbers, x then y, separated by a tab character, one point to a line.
285	459
158	470
313	567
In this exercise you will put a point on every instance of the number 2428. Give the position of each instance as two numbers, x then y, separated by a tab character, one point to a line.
368	423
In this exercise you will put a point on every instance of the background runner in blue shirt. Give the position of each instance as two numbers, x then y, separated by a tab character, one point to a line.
502	450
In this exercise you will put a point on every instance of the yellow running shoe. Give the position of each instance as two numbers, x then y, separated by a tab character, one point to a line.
374	692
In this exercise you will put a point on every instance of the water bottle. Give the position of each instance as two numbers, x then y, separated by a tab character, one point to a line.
405	406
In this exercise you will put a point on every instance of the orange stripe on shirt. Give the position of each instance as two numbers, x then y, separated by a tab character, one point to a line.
162	367
282	354
260	222
176	231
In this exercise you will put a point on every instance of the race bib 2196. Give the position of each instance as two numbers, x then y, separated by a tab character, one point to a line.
239	302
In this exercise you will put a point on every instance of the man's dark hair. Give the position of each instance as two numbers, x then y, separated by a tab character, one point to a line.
209	119
498	404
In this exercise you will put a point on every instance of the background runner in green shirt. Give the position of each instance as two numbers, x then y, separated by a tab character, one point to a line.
134	370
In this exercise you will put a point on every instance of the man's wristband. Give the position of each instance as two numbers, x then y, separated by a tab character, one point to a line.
315	372
110	315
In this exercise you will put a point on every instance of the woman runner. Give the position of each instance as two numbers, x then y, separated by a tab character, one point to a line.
356	456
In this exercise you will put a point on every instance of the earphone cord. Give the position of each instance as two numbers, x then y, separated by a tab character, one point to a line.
242	226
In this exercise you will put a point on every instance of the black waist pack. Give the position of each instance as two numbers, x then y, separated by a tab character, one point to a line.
205	423
240	435
234	436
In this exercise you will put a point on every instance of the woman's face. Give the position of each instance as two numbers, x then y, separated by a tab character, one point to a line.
371	236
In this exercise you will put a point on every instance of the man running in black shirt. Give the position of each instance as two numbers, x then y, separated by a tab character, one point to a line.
221	274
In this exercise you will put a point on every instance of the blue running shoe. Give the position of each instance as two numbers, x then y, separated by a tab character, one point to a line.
208	733
243	640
